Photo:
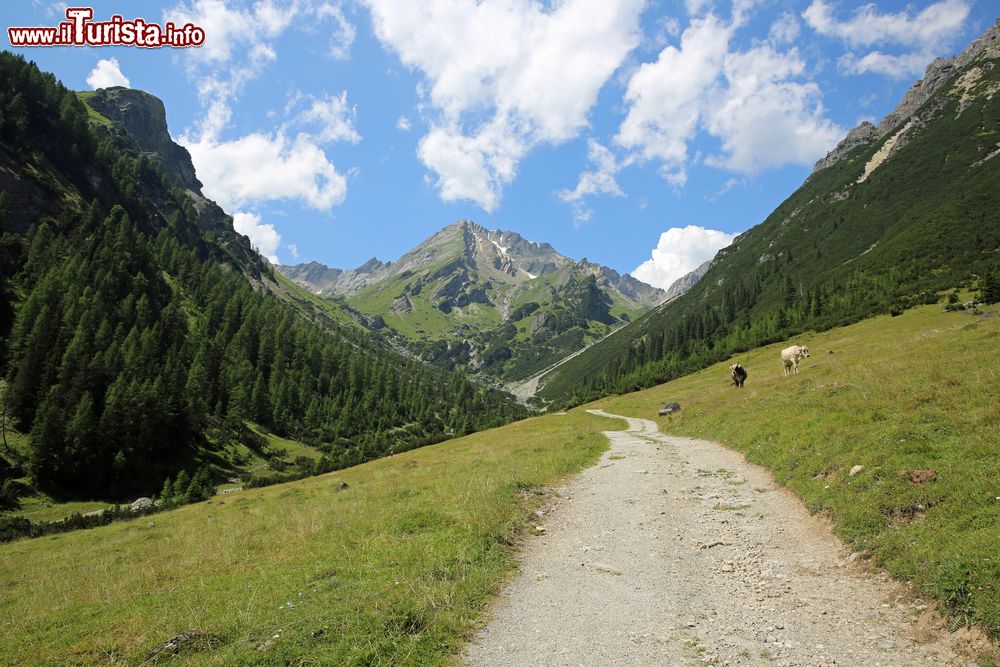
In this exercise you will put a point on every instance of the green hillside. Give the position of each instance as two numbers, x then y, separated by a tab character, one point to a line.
839	249
394	569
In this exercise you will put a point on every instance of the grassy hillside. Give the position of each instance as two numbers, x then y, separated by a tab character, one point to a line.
916	392
394	569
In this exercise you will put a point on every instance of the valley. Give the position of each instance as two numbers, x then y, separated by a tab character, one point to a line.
463	455
446	521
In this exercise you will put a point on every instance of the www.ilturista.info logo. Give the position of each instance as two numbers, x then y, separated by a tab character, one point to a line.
80	30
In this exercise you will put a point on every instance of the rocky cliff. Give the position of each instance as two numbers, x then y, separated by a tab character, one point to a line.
144	118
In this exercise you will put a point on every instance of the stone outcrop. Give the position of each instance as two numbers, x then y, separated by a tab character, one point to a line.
865	133
687	281
144	119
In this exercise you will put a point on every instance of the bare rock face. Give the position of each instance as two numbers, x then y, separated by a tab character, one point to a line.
939	72
144	118
687	281
401	305
865	133
539	322
142	504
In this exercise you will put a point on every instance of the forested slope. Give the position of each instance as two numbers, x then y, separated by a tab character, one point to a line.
140	331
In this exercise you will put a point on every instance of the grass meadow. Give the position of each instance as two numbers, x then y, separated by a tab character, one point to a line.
395	569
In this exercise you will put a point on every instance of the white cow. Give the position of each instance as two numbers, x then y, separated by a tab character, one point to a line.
790	357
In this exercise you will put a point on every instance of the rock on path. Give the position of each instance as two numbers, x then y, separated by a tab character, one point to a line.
674	551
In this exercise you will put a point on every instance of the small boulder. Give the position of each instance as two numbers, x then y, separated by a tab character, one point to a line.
669	408
856	469
340	486
142	504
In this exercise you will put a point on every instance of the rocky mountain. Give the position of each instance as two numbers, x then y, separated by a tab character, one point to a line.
687	281
485	300
144	119
896	213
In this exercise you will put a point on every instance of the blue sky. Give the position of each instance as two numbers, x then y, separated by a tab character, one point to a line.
636	134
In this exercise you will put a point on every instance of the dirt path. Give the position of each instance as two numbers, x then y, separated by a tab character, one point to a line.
525	389
673	551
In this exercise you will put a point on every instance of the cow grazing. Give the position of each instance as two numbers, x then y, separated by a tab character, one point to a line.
739	375
791	356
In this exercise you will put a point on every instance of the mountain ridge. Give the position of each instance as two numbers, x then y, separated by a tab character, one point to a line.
530	259
940	72
489	301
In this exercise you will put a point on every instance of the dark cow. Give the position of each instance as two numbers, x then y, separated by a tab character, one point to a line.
739	375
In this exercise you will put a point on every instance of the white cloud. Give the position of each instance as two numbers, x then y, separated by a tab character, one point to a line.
472	167
600	180
726	187
403	124
696	7
677	178
330	115
785	29
342	37
926	34
230	30
262	167
293	250
503	76
753	102
105	74
893	66
679	251
866	27
264	238
288	162
765	118
666	97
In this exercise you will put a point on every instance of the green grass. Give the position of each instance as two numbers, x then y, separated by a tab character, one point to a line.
92	113
295	293
919	391
396	569
292	448
39	509
425	321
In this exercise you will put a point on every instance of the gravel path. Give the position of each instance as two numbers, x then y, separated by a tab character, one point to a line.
673	551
